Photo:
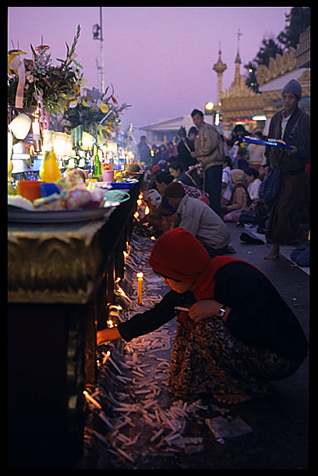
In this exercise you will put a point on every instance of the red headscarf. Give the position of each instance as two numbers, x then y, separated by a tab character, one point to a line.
177	254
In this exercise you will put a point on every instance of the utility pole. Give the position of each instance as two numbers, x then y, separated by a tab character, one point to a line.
101	51
98	35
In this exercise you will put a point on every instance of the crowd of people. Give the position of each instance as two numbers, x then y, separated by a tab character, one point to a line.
226	175
234	333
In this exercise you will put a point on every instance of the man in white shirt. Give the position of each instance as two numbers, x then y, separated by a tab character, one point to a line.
227	185
253	184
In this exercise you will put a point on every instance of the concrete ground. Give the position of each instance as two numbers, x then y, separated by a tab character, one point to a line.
279	422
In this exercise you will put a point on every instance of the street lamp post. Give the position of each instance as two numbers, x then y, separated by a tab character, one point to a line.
208	110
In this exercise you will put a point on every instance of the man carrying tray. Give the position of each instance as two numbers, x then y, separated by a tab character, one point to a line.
282	225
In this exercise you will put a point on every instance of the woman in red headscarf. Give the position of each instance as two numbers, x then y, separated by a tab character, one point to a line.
238	333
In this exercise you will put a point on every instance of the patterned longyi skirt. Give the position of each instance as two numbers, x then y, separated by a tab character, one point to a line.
206	358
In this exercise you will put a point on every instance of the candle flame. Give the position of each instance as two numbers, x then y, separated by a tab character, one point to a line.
106	357
140	275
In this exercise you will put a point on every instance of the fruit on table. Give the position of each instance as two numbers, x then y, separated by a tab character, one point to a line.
119	175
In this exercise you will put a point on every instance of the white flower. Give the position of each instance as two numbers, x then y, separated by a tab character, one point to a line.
29	77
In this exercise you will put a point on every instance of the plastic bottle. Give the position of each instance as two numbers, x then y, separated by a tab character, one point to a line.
97	168
49	171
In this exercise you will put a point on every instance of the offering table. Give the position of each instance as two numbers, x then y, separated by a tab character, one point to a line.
60	278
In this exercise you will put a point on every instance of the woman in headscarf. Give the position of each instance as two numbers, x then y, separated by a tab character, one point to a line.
237	333
239	200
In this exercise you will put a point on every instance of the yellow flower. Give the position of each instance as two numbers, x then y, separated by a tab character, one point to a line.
104	108
85	103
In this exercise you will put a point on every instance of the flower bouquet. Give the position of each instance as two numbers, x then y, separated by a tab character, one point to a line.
54	87
99	114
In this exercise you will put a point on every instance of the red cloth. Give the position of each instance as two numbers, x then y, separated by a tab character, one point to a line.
204	199
178	255
154	168
204	287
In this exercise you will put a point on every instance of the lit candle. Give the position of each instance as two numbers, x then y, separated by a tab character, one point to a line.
92	400
140	280
106	357
110	323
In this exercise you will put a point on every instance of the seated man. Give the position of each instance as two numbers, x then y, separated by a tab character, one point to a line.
198	218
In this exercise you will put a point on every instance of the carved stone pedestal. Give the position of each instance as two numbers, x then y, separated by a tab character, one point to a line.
60	278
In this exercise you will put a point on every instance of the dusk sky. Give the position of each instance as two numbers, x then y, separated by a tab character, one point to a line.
159	59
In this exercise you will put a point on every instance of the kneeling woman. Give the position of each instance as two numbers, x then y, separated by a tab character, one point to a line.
238	333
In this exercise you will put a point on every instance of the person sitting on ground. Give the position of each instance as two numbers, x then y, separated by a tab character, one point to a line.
163	154
256	152
227	184
253	183
239	200
199	218
162	218
162	179
237	334
177	171
230	150
172	150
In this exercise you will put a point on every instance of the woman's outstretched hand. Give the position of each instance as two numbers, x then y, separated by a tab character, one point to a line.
207	308
107	334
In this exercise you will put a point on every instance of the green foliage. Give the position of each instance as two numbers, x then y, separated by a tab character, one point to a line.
298	20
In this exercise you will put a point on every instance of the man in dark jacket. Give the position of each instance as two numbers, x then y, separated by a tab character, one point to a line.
282	226
209	151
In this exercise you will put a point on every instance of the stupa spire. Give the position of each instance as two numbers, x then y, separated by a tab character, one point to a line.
219	68
237	60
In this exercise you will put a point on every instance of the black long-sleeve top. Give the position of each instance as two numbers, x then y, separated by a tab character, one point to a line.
259	317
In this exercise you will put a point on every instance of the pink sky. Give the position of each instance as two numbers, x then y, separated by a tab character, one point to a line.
159	59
